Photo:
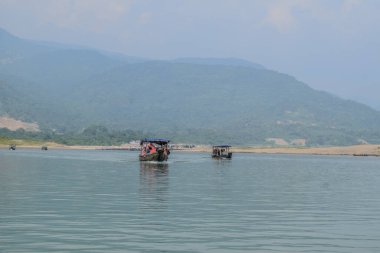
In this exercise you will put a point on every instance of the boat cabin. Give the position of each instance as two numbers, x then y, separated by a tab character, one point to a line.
221	152
154	149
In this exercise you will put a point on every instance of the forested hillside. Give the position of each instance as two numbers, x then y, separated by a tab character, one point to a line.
188	100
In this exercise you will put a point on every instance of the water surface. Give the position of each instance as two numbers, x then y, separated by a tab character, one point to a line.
107	201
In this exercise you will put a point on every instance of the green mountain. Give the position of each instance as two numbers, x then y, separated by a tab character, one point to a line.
188	99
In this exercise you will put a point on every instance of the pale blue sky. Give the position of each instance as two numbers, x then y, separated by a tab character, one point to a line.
332	45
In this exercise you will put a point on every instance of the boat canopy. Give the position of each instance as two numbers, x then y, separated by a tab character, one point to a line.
155	140
221	146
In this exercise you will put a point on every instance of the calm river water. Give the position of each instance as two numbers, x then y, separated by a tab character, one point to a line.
107	201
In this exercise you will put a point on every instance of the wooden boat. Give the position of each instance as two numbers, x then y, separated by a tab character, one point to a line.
44	148
221	152
153	149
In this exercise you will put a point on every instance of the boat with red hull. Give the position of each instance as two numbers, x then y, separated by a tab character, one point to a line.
154	149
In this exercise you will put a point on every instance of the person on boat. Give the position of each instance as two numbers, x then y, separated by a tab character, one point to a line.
148	149
143	151
166	151
152	149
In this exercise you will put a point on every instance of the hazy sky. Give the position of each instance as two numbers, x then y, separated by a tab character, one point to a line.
331	45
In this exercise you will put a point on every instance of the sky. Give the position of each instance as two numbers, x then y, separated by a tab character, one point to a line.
332	45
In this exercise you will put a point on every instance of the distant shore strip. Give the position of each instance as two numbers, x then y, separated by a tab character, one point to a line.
355	150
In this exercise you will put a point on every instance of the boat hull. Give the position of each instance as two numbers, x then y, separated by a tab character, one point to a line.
226	156
159	156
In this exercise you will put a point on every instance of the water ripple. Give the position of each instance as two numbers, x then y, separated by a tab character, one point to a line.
93	201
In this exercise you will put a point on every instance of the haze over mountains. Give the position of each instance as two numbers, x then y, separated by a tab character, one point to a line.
188	99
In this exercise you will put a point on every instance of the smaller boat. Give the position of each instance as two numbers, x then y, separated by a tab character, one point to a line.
221	152
12	147
44	148
154	149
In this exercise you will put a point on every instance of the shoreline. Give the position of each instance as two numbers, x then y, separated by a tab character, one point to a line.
354	150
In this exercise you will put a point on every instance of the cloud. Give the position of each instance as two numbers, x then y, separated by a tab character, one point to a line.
287	15
349	5
145	18
280	17
282	14
91	15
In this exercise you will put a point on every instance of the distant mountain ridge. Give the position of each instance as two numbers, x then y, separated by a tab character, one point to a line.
199	100
220	61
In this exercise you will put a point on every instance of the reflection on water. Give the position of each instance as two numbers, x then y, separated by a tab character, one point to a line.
154	185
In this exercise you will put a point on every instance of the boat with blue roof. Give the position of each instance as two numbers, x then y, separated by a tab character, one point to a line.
154	149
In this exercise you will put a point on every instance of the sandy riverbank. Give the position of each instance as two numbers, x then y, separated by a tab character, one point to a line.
52	146
366	149
372	150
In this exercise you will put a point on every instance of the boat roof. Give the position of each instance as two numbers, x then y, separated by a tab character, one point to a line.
221	146
155	140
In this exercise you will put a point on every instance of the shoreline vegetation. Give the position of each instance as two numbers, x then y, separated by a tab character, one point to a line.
355	150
